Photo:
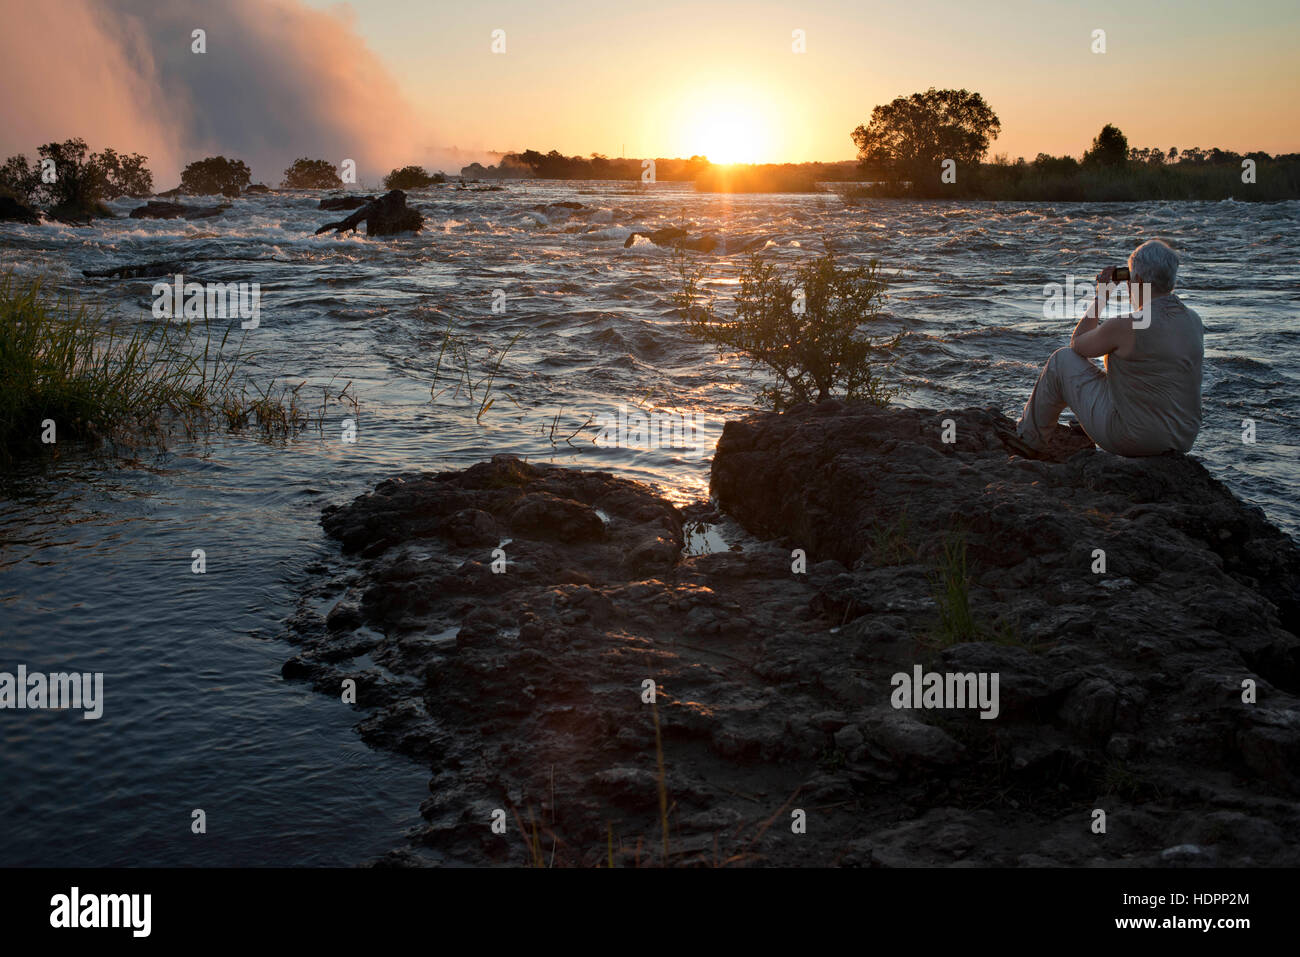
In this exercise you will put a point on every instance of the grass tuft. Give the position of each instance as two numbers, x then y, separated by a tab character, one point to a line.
98	378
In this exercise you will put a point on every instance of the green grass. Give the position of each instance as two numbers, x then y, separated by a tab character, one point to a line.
455	356
957	622
891	543
103	379
951	586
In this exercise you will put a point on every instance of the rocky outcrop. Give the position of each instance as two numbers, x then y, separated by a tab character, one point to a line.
163	267
384	216
79	213
505	624
13	211
345	202
677	238
155	209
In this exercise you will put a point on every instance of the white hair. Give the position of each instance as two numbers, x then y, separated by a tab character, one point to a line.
1155	263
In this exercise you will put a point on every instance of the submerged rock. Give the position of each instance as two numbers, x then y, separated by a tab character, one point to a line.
163	267
13	211
522	613
384	216
345	202
79	214
155	209
677	238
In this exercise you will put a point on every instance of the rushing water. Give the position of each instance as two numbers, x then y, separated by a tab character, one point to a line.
95	562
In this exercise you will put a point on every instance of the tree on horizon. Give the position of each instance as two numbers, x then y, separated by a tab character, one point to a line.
1109	148
909	138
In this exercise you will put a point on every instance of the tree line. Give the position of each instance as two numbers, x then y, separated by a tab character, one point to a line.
73	183
933	144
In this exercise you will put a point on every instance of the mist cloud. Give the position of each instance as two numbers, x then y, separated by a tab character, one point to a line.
279	80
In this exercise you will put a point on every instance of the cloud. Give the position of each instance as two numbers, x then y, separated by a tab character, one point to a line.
279	80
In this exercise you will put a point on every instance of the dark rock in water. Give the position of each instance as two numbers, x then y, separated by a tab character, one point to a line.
384	216
163	210
677	238
13	211
567	204
346	202
257	188
521	610
165	267
79	214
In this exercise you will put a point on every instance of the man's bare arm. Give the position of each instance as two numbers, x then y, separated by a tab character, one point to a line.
1090	338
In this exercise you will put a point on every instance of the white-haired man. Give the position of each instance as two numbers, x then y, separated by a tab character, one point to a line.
1148	400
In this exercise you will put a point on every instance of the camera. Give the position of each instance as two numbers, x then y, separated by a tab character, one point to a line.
1121	274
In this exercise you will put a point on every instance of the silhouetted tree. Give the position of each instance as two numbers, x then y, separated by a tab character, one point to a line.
216	174
80	180
126	175
1056	165
311	174
412	177
910	137
1110	148
20	180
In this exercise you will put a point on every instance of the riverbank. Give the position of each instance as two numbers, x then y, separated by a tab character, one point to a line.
777	732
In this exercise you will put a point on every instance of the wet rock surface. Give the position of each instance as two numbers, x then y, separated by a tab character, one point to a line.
385	216
14	211
154	209
501	625
345	202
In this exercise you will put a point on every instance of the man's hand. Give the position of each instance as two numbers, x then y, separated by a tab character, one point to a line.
1105	283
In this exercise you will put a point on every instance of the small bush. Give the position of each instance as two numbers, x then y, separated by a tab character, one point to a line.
803	329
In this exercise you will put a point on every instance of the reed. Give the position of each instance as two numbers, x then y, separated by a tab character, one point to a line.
68	368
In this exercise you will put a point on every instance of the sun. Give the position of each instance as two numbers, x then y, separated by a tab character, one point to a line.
728	130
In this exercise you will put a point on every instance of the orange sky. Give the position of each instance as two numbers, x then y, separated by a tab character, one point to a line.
393	82
654	79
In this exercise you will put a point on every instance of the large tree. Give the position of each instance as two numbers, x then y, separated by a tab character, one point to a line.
312	174
1110	148
910	138
216	174
81	180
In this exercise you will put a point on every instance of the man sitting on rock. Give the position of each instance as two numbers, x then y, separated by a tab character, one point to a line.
1148	400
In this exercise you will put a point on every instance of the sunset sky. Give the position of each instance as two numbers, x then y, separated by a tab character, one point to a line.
391	82
658	78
